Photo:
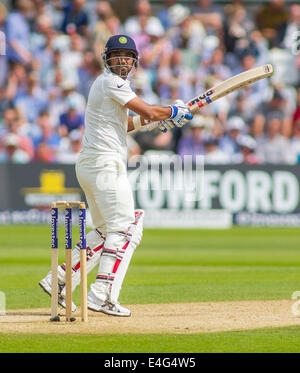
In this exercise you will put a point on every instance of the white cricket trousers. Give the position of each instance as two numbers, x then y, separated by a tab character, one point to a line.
107	190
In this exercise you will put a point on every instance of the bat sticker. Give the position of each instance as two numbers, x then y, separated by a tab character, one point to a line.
204	96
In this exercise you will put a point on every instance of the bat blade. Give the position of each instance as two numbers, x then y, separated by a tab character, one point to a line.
230	85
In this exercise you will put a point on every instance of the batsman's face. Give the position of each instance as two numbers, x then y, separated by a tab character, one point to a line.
121	62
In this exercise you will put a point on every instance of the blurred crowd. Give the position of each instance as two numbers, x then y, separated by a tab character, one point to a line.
53	54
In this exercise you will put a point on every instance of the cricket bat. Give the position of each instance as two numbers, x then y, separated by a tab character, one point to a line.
229	85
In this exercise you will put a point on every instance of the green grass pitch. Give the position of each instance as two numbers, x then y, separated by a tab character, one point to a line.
169	266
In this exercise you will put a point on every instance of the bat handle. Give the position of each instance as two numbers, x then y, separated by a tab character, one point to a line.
151	126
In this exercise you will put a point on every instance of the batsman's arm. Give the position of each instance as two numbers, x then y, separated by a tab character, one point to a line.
146	113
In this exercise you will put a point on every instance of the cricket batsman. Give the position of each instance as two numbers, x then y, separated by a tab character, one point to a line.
101	170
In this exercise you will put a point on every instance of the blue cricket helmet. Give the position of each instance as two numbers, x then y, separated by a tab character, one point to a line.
117	42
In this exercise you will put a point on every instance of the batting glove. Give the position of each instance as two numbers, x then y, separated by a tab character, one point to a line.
180	113
166	125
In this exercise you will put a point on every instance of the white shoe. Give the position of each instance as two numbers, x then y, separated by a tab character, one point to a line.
108	307
115	309
45	284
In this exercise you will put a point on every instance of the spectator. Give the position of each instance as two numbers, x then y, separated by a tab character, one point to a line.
15	124
17	82
87	73
46	57
132	25
49	60
9	116
212	153
215	69
277	106
11	151
69	153
241	38
237	27
148	33
269	17
179	18
207	7
18	33
44	154
142	87
3	59
257	130
214	127
71	59
191	143
164	14
210	15
71	119
257	94
258	45
33	101
70	94
61	98
108	24
273	147
296	114
38	38
176	73
295	141
156	54
248	147
40	8
75	18
186	34
54	8
3	15
242	107
287	30
42	132
235	127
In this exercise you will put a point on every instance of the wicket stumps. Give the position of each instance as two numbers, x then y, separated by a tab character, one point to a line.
67	206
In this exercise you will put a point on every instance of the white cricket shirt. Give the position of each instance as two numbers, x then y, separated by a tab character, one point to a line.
106	117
